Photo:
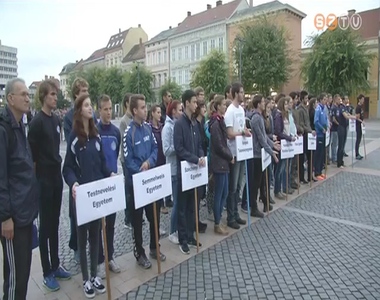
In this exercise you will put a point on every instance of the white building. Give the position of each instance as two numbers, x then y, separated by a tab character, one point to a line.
8	67
197	35
64	80
135	56
157	56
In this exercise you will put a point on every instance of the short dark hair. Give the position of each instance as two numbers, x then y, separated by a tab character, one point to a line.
293	95
212	96
164	93
360	96
235	89
227	90
134	100
303	94
126	99
321	96
103	98
199	90
256	100
45	87
186	96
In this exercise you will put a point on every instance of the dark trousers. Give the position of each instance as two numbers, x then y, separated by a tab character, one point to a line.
302	160
137	218
345	140
127	214
17	258
319	155
341	141
263	185
359	134
92	228
308	157
255	175
50	210
186	215
110	232
73	242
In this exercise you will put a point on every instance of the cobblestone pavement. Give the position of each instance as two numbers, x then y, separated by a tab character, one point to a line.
372	161
306	250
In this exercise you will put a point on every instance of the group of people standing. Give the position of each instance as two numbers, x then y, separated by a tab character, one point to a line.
189	130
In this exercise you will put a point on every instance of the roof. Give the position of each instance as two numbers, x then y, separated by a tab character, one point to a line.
96	55
78	66
67	68
116	40
163	35
272	6
370	23
34	84
136	53
208	17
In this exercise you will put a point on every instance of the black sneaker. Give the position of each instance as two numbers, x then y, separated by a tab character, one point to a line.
153	255
345	155
144	262
193	243
257	214
240	221
96	283
244	208
233	225
266	209
359	157
184	248
88	290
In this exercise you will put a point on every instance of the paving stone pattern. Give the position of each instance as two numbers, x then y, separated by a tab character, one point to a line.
287	255
372	161
348	196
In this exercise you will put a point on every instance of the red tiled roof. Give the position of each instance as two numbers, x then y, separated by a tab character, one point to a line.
35	84
97	54
208	17
136	53
371	23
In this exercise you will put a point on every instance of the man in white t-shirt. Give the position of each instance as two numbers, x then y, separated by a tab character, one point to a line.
235	123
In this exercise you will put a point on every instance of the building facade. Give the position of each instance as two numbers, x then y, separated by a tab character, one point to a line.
157	54
135	56
283	15
96	60
8	67
197	35
64	80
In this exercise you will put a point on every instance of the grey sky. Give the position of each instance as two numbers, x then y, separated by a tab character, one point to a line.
51	33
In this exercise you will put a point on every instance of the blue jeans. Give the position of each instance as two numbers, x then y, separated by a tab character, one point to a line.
319	155
174	215
220	195
235	178
278	174
287	172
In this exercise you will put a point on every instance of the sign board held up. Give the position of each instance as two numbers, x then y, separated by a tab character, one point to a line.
298	145
287	149
352	125
244	148
193	175
266	159
311	142
327	138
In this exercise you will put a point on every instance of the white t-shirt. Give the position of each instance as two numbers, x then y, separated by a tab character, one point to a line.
235	118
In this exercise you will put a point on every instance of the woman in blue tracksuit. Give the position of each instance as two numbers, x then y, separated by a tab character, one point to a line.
84	163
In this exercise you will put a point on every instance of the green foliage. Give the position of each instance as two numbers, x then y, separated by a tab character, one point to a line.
36	104
338	63
174	88
211	74
139	81
265	59
112	84
61	101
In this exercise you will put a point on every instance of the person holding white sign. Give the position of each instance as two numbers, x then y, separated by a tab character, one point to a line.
221	157
260	140
359	112
235	122
141	155
188	147
85	162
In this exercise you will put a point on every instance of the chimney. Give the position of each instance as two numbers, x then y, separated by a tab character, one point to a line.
250	3
189	13
46	77
219	3
140	41
51	77
139	25
208	6
170	27
351	12
119	30
179	24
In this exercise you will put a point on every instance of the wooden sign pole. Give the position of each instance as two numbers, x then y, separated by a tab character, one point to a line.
106	262
157	237
196	218
267	187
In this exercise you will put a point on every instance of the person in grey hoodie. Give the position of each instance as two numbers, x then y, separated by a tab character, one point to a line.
260	140
173	112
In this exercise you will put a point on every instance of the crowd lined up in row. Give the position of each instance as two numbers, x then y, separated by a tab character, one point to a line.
31	181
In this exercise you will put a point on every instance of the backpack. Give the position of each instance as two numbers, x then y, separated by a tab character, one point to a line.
11	137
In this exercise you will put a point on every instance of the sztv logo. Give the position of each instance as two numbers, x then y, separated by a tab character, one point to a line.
331	21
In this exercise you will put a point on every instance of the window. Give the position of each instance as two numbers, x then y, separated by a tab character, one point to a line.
221	44
180	54
198	51
192	52
187	76
186	52
173	54
212	44
154	59
165	77
174	76
159	80
204	48
180	77
165	56
111	62
154	81
159	58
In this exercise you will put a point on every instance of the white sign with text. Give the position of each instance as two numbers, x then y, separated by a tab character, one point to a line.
152	185
244	148
99	199
311	142
193	175
327	138
298	145
266	159
287	149
352	125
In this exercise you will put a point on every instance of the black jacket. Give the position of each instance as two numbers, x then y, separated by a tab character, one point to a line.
187	141
220	154
202	132
18	183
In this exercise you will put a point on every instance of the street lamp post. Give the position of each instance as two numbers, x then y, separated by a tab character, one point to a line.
241	41
138	75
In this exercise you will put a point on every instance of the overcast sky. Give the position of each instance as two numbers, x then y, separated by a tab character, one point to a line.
51	33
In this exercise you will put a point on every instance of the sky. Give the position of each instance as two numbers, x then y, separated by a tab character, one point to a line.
52	33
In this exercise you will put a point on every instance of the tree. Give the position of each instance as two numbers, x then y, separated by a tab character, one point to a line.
211	74
174	88
112	84
140	81
338	63
61	101
265	60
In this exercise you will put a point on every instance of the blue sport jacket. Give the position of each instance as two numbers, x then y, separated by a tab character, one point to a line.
320	120
111	141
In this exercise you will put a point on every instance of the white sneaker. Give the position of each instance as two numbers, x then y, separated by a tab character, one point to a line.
97	285
114	266
162	232
88	290
102	271
174	238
